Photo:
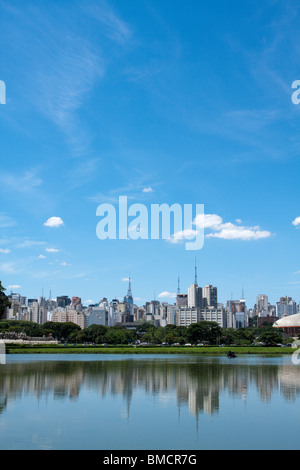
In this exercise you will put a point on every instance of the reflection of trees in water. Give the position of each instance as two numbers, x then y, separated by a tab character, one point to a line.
197	384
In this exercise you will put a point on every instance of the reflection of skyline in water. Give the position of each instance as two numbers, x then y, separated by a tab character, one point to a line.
196	384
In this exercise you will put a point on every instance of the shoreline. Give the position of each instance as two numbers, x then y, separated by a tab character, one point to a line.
158	350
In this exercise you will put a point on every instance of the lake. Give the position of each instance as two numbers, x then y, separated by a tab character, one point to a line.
94	402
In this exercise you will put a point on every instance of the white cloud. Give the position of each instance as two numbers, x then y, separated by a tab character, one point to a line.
233	232
14	287
54	222
52	250
148	190
167	295
178	237
296	222
212	221
41	257
125	279
230	231
216	227
5	251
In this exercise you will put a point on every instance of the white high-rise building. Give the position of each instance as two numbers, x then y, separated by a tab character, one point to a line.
210	296
262	303
285	307
194	296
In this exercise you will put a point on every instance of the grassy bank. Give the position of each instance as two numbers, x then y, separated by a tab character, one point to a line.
199	351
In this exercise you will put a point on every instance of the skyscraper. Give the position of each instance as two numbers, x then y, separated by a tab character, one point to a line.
262	303
195	293
285	307
194	296
128	299
210	296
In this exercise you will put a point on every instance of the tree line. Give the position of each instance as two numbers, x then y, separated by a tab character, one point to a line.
203	332
199	333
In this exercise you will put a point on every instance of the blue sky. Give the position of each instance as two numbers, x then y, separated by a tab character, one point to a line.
162	102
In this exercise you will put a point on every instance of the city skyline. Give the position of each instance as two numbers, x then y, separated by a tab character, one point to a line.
208	297
161	104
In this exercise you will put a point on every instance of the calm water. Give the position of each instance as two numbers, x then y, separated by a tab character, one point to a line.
149	403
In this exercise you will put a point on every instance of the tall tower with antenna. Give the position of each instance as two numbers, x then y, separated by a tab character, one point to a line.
128	298
129	293
195	292
178	287
243	293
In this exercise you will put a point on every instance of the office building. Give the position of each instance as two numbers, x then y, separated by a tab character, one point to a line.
209	296
285	307
262	305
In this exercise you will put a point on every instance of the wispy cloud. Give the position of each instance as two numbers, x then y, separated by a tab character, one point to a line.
7	268
25	182
83	173
63	64
6	221
30	243
5	251
76	63
69	77
132	190
113	26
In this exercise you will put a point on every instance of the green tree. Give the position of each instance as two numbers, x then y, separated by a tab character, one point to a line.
143	328
245	335
253	321
228	336
61	331
29	328
95	333
4	302
204	331
153	335
270	337
116	335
